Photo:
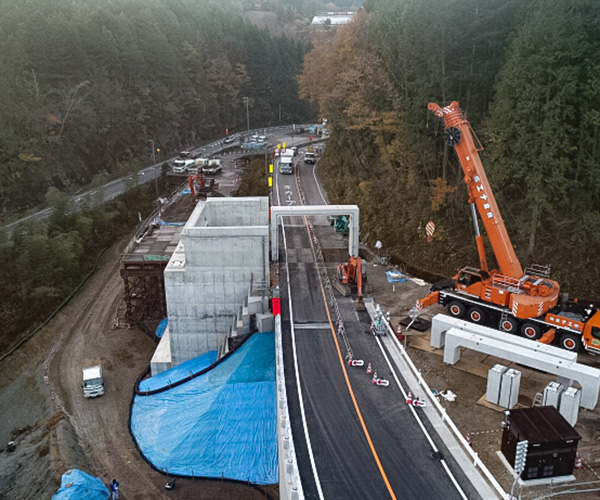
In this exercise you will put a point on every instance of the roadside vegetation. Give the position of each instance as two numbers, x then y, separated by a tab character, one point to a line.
254	180
527	75
45	261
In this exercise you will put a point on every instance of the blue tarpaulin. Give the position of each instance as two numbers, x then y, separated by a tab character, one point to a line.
76	485
162	326
184	370
184	192
395	276
221	424
164	223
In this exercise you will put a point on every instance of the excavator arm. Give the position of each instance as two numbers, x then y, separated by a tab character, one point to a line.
458	133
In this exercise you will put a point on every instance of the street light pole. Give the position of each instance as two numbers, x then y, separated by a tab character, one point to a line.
246	99
154	165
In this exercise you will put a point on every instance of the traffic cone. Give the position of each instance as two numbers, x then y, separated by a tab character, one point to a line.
468	438
399	334
374	379
578	461
409	398
369	369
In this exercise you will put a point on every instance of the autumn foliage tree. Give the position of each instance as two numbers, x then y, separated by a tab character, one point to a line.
525	73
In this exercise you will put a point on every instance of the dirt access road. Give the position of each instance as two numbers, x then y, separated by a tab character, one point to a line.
43	409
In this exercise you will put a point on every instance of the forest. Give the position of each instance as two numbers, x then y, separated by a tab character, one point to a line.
527	75
85	86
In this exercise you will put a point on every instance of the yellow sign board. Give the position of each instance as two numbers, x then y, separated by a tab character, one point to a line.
270	181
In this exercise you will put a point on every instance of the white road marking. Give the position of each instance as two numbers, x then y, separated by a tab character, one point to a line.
419	421
295	354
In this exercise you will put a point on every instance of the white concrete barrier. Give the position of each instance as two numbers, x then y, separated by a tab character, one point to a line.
549	359
290	486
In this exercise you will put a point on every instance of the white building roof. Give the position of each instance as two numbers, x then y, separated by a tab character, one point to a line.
336	18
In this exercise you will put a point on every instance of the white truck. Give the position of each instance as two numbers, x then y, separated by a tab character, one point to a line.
93	383
286	165
181	166
212	166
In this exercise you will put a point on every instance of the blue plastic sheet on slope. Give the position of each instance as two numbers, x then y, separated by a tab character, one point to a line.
162	326
222	424
184	192
178	373
76	485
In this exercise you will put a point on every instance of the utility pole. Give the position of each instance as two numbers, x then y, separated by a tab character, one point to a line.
154	165
246	100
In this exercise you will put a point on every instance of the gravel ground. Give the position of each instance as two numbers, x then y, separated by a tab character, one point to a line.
465	380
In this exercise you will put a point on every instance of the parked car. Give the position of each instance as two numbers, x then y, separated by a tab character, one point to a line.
299	130
228	140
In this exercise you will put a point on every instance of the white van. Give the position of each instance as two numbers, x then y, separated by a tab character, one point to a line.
93	383
309	157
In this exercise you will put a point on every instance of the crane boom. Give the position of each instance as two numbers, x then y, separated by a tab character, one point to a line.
519	302
458	133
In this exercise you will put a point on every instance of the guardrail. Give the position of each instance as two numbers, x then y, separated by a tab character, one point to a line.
445	418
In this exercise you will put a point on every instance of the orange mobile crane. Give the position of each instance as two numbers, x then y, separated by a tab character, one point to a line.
521	302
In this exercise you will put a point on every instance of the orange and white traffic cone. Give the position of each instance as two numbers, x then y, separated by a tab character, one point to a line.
409	398
399	334
578	461
468	438
369	369
374	379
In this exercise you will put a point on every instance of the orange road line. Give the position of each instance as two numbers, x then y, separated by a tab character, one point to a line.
356	408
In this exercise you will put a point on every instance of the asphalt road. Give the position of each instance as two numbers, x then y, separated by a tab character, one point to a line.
353	439
117	187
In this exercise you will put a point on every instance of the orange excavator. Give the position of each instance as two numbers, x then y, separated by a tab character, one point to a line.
201	186
352	275
525	302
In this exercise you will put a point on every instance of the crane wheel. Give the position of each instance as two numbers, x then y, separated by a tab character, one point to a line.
456	309
510	324
570	342
477	315
531	331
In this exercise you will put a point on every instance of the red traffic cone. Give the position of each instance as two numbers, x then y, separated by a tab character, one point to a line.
374	379
468	438
409	398
578	461
369	369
